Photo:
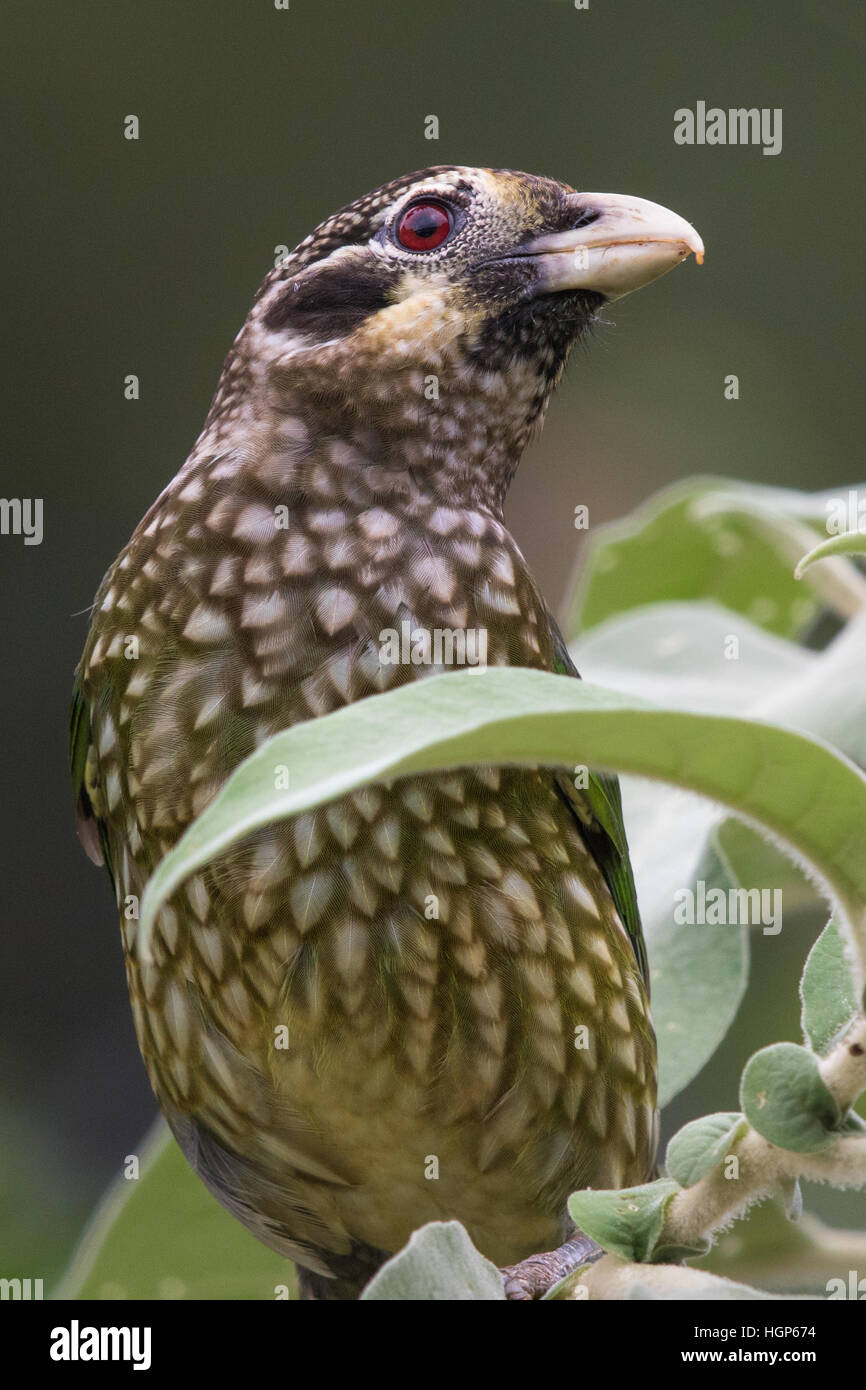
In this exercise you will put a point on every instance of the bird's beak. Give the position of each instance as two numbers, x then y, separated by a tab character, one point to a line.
627	243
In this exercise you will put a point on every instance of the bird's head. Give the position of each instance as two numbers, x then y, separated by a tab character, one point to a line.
439	310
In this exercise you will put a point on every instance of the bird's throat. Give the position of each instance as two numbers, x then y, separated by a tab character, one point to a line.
443	424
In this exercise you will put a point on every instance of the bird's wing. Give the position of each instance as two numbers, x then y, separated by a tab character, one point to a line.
598	807
82	765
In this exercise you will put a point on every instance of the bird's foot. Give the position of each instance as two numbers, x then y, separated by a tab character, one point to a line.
532	1277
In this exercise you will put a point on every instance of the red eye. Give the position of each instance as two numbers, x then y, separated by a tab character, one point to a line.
424	226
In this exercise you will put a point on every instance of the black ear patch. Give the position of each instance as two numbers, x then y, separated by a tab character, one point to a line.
331	302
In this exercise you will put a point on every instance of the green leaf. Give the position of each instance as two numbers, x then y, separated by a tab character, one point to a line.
840	585
629	1223
785	1099
696	1148
676	652
698	973
829	700
163	1236
800	789
754	860
848	543
827	989
671	549
696	655
440	1263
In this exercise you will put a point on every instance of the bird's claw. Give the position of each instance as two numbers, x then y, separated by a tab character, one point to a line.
531	1278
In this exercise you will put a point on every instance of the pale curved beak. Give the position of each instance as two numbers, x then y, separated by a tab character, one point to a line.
628	243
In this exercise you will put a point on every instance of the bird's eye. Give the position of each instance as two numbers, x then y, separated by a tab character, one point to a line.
424	226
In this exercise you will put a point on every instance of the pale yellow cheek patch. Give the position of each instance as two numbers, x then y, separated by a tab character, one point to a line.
428	316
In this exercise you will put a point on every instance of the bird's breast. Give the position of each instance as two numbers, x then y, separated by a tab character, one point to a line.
432	969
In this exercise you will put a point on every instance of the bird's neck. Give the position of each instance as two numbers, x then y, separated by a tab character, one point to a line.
443	428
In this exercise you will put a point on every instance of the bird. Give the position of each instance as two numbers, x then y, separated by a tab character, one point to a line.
428	999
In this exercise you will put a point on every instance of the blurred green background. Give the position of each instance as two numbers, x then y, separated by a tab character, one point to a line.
142	257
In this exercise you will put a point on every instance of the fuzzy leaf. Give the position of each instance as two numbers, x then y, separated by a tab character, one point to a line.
627	1223
799	789
696	1148
848	543
785	1099
674	548
827	989
676	652
440	1263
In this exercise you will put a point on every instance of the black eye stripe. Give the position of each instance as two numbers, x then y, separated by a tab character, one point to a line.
332	301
